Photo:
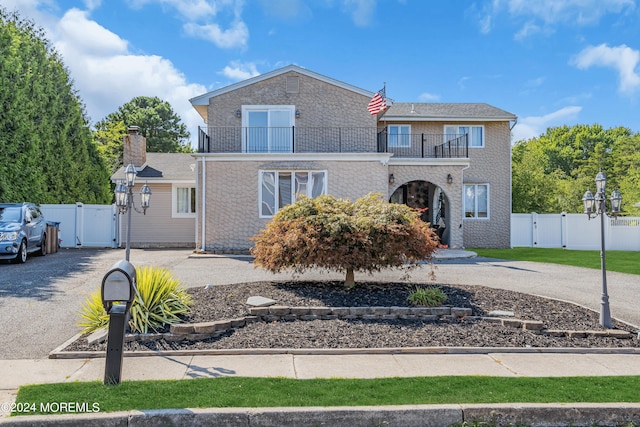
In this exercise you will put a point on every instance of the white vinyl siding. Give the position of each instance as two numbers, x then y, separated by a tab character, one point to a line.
281	188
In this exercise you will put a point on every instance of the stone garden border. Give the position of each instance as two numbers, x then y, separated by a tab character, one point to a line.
274	313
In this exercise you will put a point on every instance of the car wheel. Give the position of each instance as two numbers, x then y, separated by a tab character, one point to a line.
21	258
43	246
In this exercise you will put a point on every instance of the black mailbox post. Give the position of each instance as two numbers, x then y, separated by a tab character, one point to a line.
118	292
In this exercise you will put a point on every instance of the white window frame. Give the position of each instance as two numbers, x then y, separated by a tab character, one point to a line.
401	137
475	208
174	200
472	142
277	173
291	109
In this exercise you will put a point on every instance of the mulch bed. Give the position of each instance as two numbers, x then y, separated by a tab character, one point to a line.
228	301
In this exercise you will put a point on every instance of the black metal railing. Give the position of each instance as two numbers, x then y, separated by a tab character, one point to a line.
424	145
296	139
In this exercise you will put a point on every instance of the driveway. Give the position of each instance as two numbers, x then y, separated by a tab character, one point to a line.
40	300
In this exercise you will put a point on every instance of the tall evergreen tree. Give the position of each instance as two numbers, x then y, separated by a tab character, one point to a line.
47	151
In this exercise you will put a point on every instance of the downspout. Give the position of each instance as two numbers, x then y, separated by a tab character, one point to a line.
511	178
204	204
462	199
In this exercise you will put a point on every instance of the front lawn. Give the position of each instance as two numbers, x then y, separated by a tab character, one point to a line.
271	392
620	261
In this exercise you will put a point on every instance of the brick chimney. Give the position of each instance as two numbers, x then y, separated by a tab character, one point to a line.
135	148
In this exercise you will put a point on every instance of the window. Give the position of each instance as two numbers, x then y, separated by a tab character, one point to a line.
476	201
476	134
281	188
183	201
268	128
399	135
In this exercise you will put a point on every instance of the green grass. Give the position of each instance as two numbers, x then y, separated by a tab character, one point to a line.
270	392
620	261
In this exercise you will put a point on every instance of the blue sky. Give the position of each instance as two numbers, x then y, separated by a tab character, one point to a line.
550	62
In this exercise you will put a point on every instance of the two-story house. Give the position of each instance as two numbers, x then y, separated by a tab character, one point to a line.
293	131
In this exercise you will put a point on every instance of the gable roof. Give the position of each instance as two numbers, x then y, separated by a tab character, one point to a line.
201	102
404	111
164	167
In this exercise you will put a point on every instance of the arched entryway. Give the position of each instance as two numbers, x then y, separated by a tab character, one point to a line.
430	199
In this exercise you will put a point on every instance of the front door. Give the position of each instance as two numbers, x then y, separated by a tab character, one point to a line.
268	129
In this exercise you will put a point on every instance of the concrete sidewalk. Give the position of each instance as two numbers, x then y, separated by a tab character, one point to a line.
561	363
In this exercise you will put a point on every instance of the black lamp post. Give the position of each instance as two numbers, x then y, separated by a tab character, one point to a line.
124	200
594	206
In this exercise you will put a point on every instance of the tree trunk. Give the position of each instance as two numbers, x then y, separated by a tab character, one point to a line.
349	281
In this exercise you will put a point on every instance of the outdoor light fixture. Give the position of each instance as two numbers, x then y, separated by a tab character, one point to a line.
594	206
238	113
297	114
449	179
392	179
125	203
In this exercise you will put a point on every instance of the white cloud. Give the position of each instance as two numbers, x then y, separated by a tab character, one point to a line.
541	16
239	71
235	36
534	126
198	15
621	58
76	32
428	97
107	75
362	11
580	12
190	9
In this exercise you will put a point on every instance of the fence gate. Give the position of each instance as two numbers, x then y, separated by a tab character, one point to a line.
83	225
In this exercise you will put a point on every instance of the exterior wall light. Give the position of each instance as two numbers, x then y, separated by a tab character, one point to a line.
449	179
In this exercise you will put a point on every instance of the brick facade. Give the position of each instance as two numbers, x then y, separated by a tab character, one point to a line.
231	185
232	208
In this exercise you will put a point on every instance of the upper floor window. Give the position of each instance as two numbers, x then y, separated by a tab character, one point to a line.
476	133
281	188
399	135
268	128
476	201
183	201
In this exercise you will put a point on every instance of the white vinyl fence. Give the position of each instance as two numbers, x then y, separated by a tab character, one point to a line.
84	225
574	231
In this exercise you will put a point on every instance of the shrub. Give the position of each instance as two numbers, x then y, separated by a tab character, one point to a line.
160	300
427	297
336	234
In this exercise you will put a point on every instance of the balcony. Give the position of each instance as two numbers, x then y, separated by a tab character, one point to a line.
297	139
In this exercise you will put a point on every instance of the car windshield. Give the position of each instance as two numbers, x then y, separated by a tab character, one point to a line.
10	214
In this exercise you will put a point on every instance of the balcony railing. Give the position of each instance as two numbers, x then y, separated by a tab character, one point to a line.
296	139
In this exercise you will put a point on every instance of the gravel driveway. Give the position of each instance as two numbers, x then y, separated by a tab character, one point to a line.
40	300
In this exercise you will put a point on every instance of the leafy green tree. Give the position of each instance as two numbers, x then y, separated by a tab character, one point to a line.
551	173
157	121
108	136
336	234
47	152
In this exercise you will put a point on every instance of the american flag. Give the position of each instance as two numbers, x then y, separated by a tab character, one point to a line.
378	102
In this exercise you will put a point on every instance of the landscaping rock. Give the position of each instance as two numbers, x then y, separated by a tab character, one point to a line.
258	301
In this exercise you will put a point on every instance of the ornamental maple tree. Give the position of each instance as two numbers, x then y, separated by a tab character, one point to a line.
329	233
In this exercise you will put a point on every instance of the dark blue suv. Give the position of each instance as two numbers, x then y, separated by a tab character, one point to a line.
23	230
